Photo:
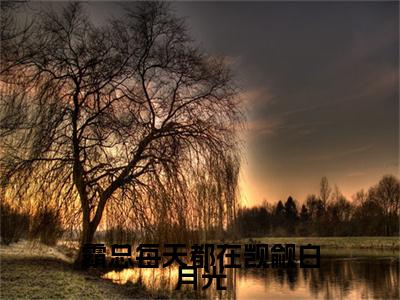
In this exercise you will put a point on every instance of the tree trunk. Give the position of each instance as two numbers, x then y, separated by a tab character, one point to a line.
86	238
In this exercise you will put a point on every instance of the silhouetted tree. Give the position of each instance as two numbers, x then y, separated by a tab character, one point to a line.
368	219
387	195
253	222
304	221
279	218
316	211
339	212
126	112
291	215
369	214
324	190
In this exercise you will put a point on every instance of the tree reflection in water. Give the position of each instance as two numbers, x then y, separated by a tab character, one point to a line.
336	279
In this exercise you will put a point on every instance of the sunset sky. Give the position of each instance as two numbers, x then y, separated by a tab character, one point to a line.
320	85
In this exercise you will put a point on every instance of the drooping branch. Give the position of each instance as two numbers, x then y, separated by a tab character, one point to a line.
131	108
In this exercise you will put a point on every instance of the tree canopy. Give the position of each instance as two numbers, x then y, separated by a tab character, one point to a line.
130	111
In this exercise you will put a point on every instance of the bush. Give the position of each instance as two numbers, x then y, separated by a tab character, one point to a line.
119	235
14	224
46	226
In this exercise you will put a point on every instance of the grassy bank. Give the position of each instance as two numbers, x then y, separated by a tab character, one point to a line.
37	271
355	243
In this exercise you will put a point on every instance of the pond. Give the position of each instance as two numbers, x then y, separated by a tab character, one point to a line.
339	277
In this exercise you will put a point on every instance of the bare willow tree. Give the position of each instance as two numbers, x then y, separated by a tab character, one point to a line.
324	190
116	112
386	194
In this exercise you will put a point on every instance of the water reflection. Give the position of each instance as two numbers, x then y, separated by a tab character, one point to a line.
363	278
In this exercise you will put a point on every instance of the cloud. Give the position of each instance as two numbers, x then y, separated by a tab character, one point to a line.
337	154
256	97
302	109
356	174
264	127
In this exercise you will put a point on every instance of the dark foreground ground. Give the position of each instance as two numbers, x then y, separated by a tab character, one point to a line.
39	272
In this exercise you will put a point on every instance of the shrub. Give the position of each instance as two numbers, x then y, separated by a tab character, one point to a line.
14	224
119	235
46	226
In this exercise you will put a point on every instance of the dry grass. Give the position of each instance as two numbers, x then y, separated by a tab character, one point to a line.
351	242
36	271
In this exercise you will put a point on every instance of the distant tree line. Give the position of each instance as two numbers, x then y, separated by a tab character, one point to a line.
371	213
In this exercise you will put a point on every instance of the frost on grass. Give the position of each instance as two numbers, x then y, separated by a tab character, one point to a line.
31	270
32	249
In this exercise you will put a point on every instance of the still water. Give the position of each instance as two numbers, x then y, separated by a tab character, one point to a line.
338	278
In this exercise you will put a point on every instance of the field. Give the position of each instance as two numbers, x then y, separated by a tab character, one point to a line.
341	246
355	243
